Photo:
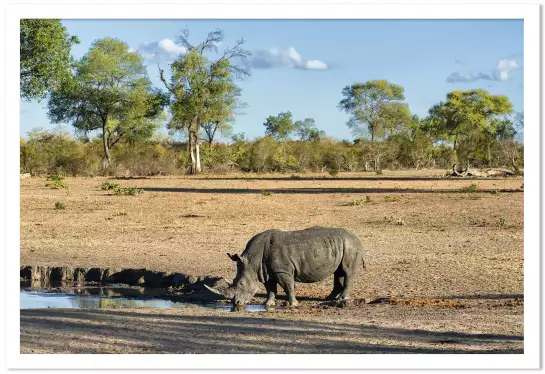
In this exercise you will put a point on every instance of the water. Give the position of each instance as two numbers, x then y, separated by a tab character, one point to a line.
94	299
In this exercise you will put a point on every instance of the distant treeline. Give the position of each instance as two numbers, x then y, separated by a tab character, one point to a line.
58	153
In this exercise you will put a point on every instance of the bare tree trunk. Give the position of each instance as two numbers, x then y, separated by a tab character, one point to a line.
489	155
514	164
377	162
190	145
107	158
198	158
196	139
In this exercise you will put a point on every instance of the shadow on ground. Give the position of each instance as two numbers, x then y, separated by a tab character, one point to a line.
318	190
110	331
385	179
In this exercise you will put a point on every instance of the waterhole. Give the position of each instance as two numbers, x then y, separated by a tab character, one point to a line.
110	298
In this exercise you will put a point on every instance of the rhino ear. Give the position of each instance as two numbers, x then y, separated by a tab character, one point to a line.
237	258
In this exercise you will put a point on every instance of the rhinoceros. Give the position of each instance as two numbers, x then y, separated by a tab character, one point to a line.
276	257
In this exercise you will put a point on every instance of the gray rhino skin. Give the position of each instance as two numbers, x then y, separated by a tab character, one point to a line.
276	257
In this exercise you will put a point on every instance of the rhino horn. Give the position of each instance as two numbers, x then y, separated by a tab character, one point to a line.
225	293
211	289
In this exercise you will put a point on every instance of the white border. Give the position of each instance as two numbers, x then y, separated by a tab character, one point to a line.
281	10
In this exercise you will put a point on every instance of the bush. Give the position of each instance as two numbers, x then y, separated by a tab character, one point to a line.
59	206
131	191
55	181
57	153
107	186
471	188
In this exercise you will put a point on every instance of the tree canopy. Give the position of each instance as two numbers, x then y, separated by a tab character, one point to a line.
280	126
474	116
374	106
203	90
45	59
110	92
306	130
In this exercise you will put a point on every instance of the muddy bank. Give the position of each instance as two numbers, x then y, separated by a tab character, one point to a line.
131	277
120	282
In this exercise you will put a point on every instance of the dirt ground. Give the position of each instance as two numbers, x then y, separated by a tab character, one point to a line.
490	328
424	237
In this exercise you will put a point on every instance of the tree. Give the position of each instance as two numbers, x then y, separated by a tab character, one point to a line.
110	92
223	115
373	104
45	59
280	126
306	130
466	115
199	87
519	123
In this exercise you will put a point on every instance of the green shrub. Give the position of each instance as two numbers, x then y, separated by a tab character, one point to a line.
59	206
471	188
266	193
130	191
106	186
501	222
55	182
56	152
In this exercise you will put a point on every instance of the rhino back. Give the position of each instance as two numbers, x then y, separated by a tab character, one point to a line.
311	254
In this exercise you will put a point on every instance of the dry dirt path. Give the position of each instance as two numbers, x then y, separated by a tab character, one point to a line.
484	328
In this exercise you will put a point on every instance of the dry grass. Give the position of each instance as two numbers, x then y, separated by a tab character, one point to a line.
449	246
441	249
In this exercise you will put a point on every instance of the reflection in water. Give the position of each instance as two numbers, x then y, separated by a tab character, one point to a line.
32	299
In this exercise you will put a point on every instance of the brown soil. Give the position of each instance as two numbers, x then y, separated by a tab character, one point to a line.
369	329
437	244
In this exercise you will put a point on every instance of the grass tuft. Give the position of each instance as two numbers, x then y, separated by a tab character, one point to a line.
107	186
55	181
471	188
129	191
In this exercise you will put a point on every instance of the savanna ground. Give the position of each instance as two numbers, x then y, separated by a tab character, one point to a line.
452	257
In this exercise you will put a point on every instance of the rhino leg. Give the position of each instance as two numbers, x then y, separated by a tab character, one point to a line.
348	282
338	284
270	285
350	267
288	285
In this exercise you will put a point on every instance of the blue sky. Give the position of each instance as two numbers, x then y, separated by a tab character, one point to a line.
302	65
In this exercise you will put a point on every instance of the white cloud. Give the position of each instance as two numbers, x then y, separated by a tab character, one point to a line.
162	50
500	73
287	58
467	77
315	64
503	69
